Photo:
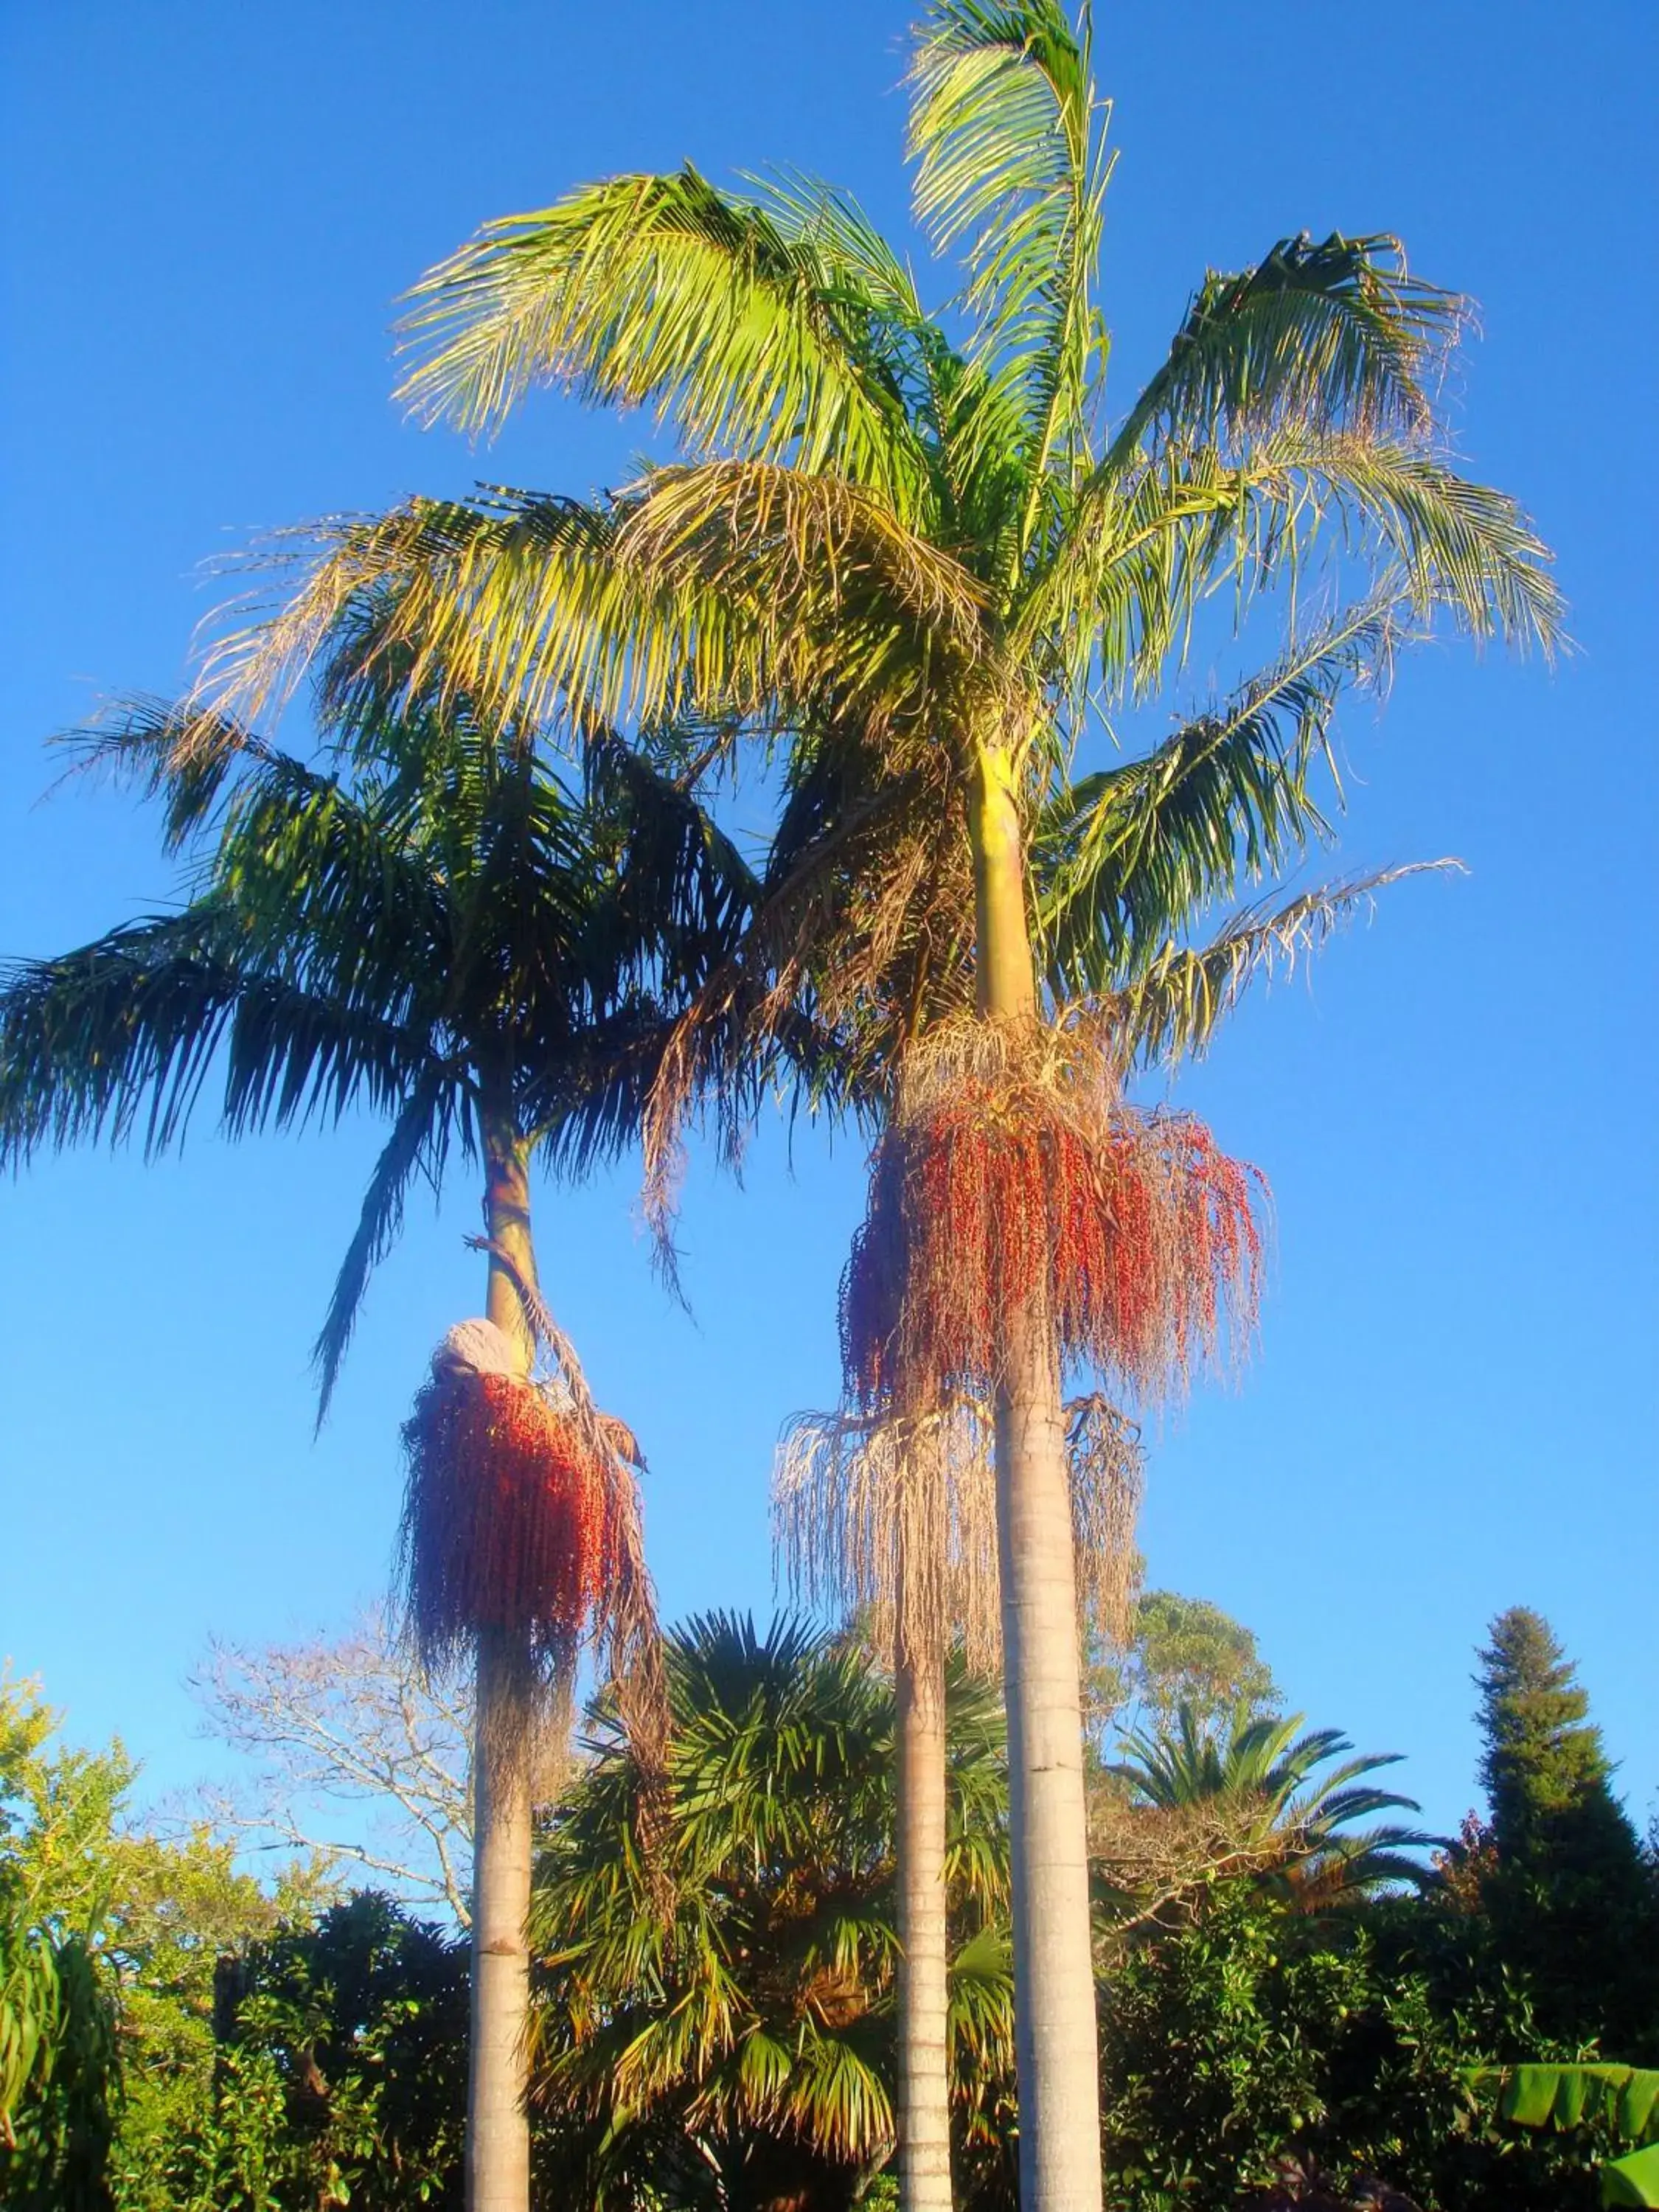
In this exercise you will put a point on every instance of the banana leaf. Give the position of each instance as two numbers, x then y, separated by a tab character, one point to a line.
1566	2096
1632	2180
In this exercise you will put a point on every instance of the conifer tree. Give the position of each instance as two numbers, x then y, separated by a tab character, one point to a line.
1573	1902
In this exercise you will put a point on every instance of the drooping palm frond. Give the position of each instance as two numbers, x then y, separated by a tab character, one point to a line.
117	1039
1170	1010
417	1146
748	334
1336	334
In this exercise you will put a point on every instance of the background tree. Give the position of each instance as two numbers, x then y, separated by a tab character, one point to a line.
427	922
1182	1652
1243	1801
1573	1901
746	2035
351	1720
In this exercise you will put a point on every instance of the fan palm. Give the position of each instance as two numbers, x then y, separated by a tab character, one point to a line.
921	542
746	2029
427	924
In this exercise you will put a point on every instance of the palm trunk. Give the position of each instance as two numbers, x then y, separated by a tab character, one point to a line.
924	2115
497	2126
1055	2027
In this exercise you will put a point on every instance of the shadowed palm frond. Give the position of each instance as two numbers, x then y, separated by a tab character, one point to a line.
118	1038
1334	335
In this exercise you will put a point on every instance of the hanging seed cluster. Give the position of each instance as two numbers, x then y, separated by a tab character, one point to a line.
1012	1180
510	1518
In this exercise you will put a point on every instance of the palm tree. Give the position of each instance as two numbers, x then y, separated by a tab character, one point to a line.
1249	1801
746	2030
427	923
918	545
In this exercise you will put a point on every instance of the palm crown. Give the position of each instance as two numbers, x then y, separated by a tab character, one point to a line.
427	922
916	531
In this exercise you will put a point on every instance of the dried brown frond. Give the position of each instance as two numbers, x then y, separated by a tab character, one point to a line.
897	1519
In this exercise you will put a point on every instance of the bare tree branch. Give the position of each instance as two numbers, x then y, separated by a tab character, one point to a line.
352	1723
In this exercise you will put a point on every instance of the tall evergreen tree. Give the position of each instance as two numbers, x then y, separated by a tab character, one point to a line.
1573	1901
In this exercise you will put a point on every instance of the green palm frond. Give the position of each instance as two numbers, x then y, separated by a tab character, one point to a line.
1011	170
1170	1011
178	756
748	334
1337	334
418	1145
1460	545
117	1040
1121	859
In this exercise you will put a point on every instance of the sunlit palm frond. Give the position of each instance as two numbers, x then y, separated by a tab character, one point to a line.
748	332
1010	168
1172	1009
180	755
1338	334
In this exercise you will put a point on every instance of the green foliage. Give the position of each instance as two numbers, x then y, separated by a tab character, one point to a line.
338	2076
1572	1901
1250	2038
723	2006
1271	1810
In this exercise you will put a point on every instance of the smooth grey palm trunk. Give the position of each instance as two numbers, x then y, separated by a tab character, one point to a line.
924	2115
1055	2033
497	2124
1054	2023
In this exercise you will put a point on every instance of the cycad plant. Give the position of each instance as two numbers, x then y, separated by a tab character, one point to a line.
423	923
924	540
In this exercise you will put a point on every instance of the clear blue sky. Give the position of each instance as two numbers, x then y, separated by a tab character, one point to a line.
208	213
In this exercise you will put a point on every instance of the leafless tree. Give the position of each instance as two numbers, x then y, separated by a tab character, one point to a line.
356	1756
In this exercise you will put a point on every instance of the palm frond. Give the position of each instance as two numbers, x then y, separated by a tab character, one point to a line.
1339	334
417	1146
1121	859
1010	168
749	334
118	1039
1170	1011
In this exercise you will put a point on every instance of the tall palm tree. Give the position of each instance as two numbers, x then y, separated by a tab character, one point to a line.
746	2031
922	542
426	923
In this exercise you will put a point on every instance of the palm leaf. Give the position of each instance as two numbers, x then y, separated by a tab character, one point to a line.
1009	168
748	334
1336	334
418	1145
1121	859
1171	1010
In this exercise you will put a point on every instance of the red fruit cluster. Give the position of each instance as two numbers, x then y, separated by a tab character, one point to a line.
509	1520
1137	1235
